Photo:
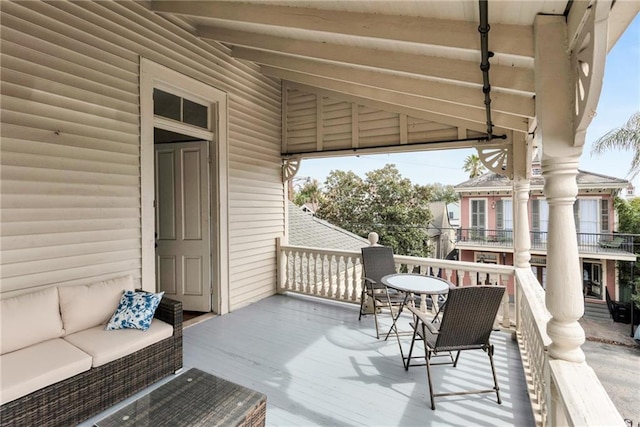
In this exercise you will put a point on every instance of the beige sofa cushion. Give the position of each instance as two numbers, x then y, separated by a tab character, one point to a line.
106	346
29	369
86	306
29	319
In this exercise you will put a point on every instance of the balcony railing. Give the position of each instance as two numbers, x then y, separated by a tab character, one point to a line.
587	242
562	393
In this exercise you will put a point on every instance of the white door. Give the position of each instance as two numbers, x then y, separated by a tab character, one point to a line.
183	250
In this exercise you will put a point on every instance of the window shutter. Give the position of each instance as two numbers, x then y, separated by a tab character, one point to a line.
499	215
604	216
535	214
576	214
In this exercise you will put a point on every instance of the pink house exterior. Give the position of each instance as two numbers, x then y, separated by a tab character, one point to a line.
486	231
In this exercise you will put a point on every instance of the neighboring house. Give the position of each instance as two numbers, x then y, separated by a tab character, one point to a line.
486	232
304	229
453	210
630	192
311	207
441	233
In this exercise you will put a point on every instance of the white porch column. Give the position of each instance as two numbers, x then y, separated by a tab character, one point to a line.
555	112
520	190
522	236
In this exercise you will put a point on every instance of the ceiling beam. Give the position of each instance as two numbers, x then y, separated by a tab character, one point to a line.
467	95
505	77
507	39
445	108
392	108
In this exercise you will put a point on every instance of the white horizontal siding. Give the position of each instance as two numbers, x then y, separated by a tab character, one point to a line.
71	144
316	123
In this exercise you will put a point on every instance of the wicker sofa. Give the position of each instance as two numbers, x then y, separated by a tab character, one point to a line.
100	384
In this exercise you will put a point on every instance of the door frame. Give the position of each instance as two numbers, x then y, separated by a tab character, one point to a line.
153	75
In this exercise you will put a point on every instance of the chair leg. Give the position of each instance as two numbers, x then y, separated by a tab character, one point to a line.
455	362
428	363
493	371
375	318
362	300
413	340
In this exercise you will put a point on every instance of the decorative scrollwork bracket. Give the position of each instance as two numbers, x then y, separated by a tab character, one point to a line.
290	168
497	158
587	62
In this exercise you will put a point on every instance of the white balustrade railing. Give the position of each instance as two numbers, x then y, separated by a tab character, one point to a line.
337	274
562	393
531	320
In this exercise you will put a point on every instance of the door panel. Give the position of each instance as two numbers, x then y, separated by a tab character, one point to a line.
183	250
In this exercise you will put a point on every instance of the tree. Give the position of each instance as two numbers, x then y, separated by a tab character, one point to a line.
309	193
629	222
473	165
383	202
344	194
626	137
438	192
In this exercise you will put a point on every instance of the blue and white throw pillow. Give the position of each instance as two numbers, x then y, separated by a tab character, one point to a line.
135	311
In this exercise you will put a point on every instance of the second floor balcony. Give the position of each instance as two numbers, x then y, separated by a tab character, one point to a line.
604	245
336	275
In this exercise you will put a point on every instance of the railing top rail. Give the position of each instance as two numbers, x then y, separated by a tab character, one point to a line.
323	251
458	265
404	259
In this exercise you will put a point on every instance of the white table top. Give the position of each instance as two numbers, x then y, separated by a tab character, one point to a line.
416	283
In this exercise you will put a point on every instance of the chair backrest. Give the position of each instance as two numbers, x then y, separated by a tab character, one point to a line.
468	318
377	262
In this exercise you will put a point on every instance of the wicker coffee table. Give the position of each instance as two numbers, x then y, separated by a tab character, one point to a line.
194	398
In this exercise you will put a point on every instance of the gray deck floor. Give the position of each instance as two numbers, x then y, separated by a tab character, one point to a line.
318	365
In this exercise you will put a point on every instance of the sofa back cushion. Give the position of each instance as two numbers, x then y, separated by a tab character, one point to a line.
29	319
85	306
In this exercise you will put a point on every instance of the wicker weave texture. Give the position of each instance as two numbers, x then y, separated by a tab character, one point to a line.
82	396
194	398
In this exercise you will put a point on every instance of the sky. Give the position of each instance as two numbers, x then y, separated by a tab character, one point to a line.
619	99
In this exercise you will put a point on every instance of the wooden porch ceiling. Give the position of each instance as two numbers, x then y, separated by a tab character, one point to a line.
424	55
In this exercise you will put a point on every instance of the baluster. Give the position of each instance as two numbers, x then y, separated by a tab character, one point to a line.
289	270
347	285
354	280
423	303
307	263
473	277
314	285
333	266
342	279
310	271
323	271
298	279
448	275
506	311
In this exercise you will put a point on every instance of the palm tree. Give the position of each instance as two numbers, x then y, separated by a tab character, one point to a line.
473	165
309	193
626	137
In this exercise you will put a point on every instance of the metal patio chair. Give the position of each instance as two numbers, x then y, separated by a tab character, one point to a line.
466	324
377	262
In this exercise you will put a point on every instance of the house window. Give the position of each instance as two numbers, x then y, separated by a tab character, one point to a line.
504	220
539	220
174	107
604	216
478	217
